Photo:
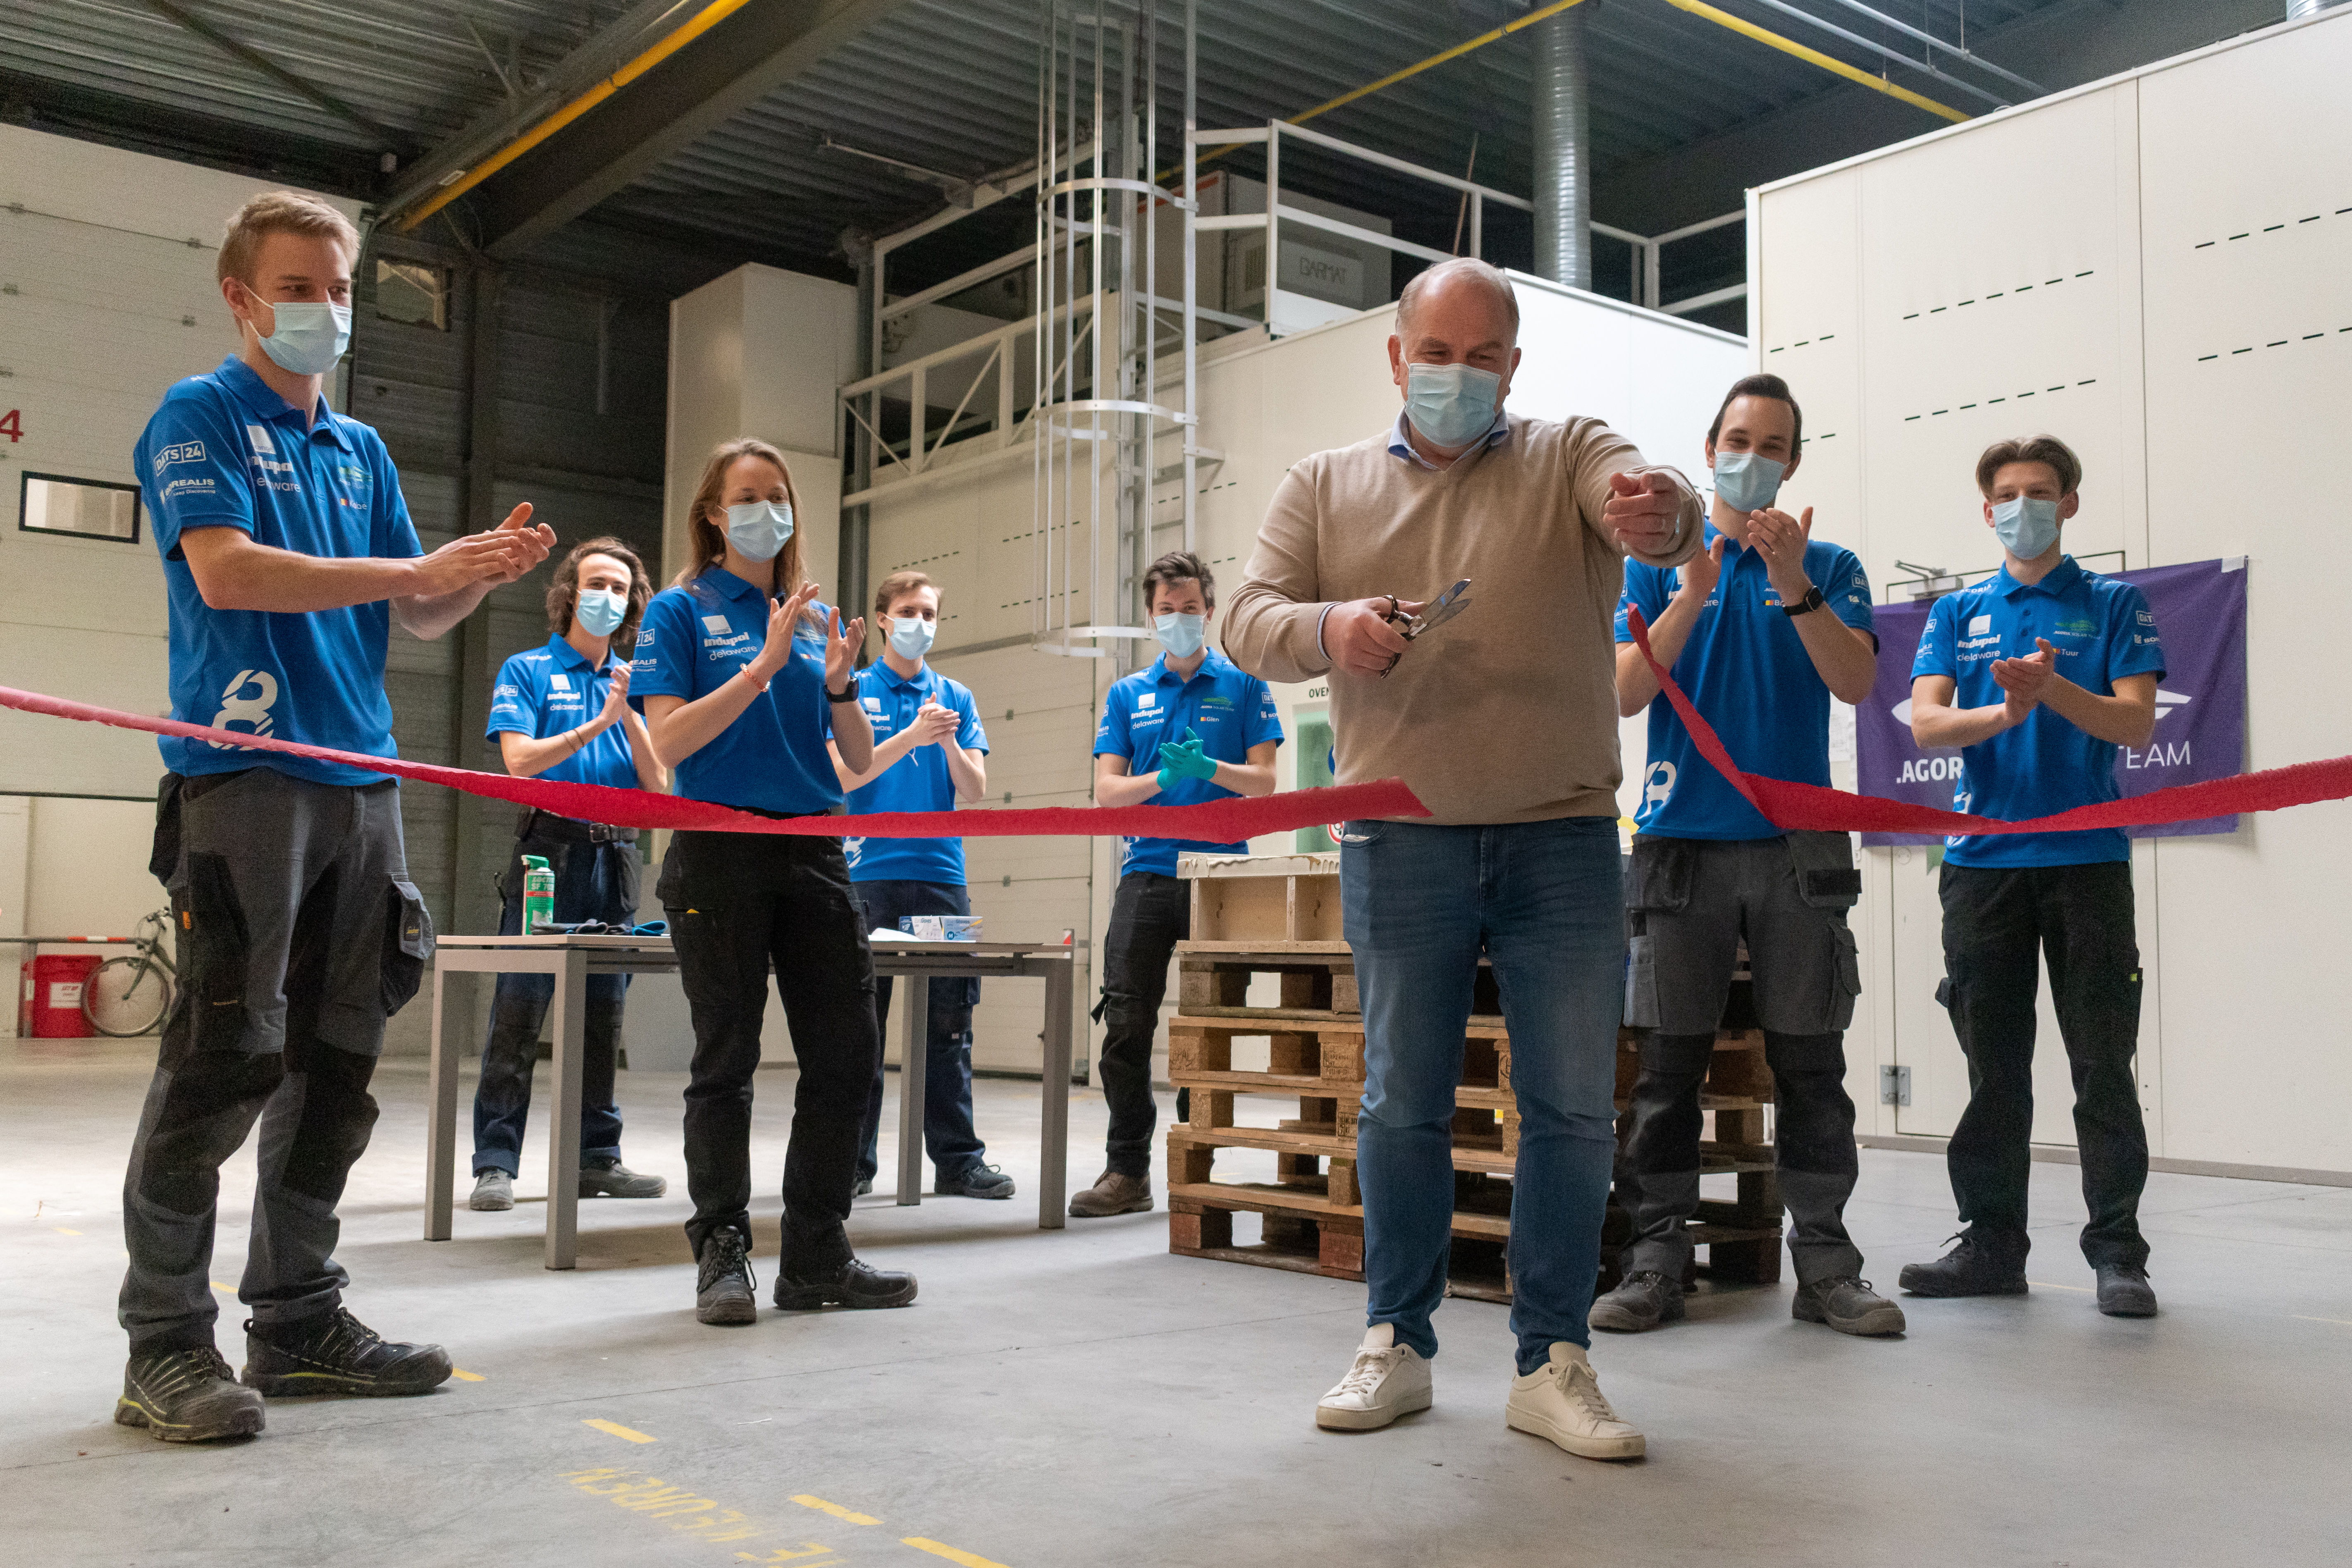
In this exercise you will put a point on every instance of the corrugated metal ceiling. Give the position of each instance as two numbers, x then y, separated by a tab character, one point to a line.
949	85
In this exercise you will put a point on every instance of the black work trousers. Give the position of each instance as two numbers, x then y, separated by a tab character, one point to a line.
737	902
2080	919
1149	915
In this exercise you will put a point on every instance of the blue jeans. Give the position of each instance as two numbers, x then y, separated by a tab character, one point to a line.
1545	901
955	1149
593	882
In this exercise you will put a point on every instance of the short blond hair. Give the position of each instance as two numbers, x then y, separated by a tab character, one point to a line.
279	212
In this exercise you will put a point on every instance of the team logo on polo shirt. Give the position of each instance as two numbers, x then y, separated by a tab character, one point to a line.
238	709
259	435
716	624
193	452
1148	700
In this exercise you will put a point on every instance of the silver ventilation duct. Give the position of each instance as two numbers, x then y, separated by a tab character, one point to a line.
1563	186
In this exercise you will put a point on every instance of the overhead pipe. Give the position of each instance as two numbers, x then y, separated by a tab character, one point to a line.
1814	57
1894	56
1564	148
466	180
1954	50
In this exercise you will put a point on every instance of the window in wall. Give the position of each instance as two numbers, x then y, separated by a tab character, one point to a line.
414	292
88	508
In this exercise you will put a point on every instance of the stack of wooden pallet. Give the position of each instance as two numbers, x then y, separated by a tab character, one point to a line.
1272	923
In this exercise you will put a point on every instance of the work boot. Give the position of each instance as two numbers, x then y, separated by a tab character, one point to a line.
1112	1192
722	1284
611	1179
1386	1381
1643	1300
1562	1401
2125	1292
851	1284
493	1191
1848	1305
979	1182
186	1397
1974	1268
865	1187
334	1352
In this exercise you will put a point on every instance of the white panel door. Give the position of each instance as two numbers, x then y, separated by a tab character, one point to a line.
2248	254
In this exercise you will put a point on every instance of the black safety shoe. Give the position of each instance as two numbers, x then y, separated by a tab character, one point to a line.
979	1182
187	1397
722	1286
1848	1305
851	1284
334	1352
1643	1300
1971	1269
2125	1292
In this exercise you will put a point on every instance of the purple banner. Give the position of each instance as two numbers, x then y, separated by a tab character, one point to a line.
2200	704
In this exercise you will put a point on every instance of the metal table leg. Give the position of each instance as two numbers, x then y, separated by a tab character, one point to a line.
1053	1132
440	1117
914	1056
563	1128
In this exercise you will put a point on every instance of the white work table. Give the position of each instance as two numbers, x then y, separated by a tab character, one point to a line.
572	959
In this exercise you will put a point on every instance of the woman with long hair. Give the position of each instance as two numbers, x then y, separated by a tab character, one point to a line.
561	712
743	676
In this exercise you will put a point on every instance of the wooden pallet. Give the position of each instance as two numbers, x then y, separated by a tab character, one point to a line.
1264	898
1315	976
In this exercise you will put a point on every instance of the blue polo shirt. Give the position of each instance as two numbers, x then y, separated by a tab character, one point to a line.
1747	670
546	690
693	640
919	781
225	451
1231	712
2102	630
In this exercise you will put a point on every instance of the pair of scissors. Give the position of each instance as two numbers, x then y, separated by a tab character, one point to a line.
1434	615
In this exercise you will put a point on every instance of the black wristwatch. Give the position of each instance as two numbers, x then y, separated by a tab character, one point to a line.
851	694
1812	601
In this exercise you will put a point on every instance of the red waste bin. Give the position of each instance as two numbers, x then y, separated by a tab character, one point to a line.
50	1008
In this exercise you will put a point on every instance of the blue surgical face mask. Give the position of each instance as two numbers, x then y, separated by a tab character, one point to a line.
1747	482
760	528
1181	636
310	336
912	635
2028	526
1451	404
600	610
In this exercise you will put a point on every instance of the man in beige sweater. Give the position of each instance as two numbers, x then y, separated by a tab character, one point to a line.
1504	721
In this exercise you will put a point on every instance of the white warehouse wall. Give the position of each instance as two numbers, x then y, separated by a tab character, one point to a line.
2189	263
107	261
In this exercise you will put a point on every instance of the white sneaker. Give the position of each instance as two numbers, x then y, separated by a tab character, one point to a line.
1388	1379
1562	1401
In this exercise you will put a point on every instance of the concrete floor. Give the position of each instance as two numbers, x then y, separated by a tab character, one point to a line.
1085	1398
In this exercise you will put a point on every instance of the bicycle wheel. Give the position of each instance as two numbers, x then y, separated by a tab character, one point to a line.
125	998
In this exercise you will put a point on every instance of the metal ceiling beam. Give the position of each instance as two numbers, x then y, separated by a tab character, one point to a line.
390	140
725	70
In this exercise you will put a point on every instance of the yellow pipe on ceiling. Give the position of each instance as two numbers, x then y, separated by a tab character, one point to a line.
1814	57
704	20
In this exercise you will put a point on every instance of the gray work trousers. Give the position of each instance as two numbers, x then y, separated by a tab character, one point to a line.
299	934
1690	902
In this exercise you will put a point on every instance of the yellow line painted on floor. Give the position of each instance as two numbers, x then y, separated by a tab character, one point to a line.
223	1289
835	1510
2045	1285
617	1431
968	1559
61	1230
462	1375
2340	1322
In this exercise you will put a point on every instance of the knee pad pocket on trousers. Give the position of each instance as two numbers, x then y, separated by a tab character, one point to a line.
207	1110
218	954
332	1133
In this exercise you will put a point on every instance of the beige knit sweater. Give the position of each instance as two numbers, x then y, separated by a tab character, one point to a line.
1508	712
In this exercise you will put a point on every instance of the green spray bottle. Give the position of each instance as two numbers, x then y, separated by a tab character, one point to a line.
537	895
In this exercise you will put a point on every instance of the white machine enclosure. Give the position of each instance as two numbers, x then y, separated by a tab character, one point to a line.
2154	269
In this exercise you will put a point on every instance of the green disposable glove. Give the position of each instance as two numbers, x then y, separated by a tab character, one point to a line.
1184	760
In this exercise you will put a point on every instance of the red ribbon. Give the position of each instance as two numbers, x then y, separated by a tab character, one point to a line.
1801	806
1214	822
